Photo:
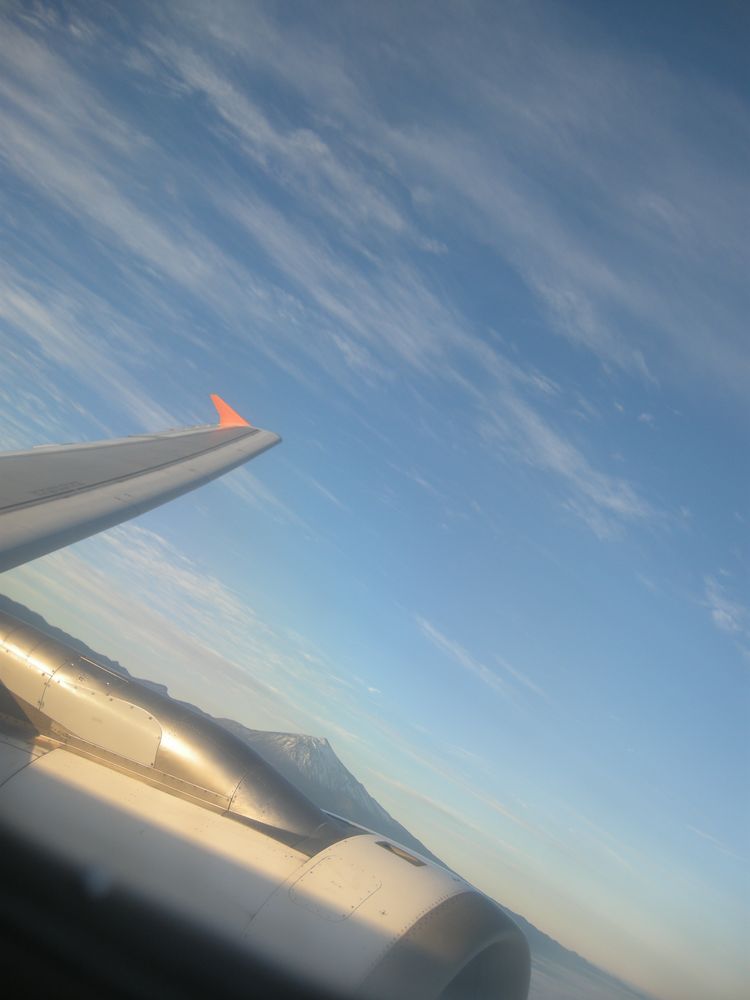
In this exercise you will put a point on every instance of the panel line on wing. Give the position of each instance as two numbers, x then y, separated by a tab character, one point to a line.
77	488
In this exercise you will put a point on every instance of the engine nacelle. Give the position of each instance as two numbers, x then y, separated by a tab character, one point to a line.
146	795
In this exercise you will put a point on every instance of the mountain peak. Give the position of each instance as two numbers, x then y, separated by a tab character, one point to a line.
311	764
316	741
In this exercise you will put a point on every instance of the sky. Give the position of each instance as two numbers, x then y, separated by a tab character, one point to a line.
484	267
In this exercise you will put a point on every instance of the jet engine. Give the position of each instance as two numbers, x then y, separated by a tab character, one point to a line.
141	792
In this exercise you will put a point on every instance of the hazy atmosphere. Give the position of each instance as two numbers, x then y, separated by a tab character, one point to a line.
484	267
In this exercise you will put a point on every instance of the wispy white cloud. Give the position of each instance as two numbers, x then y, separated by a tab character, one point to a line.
250	489
360	317
53	325
330	181
467	755
727	614
605	502
603	841
324	491
521	677
459	822
715	842
419	478
459	655
597	259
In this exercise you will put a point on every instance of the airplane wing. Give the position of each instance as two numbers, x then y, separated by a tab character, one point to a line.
54	495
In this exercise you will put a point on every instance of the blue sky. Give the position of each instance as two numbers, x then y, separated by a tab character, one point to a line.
484	267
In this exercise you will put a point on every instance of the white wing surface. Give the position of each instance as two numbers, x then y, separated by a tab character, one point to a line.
57	494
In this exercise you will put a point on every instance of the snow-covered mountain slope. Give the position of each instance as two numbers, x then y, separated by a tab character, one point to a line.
310	763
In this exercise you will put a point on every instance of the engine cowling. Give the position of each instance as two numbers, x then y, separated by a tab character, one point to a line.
142	792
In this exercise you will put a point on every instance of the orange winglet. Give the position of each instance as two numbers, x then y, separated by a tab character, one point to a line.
227	416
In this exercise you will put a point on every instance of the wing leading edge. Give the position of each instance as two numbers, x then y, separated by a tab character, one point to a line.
57	494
